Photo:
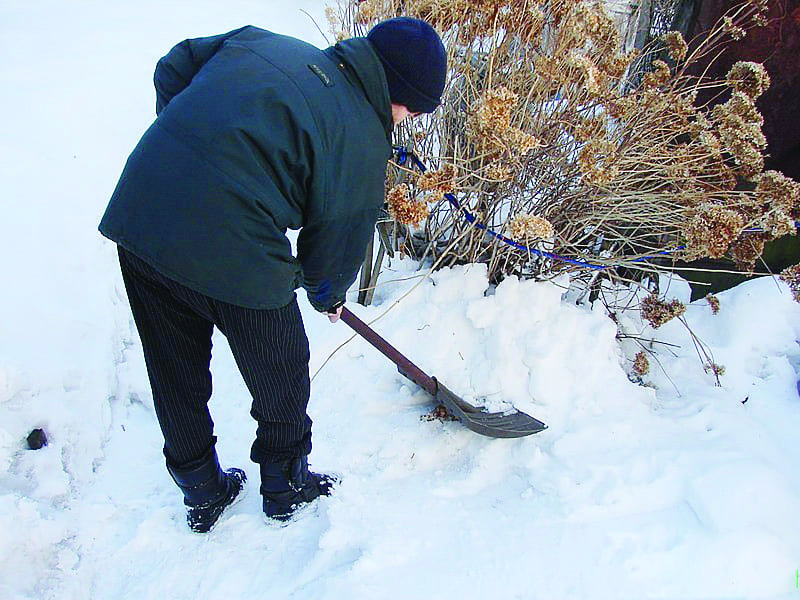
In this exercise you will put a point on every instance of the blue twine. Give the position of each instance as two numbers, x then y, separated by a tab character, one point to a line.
403	154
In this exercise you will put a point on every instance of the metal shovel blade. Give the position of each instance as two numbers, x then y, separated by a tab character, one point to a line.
498	425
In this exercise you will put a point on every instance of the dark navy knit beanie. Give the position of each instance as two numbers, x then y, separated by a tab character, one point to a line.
414	60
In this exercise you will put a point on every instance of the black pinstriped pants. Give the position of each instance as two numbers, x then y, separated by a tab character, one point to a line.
270	347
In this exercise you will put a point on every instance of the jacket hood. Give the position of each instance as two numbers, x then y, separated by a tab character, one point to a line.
363	65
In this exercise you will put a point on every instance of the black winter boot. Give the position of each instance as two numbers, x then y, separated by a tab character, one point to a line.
287	483
207	489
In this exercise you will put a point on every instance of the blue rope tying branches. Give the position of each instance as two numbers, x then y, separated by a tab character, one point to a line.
403	155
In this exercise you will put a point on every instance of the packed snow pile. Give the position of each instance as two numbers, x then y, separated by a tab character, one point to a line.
668	487
629	490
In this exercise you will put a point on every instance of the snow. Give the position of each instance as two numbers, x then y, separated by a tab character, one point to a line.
671	489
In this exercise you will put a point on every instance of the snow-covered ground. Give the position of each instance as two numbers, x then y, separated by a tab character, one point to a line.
681	491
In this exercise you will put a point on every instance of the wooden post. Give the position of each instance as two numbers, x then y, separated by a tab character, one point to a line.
643	27
373	280
366	273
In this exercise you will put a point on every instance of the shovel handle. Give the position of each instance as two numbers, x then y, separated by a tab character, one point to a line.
404	366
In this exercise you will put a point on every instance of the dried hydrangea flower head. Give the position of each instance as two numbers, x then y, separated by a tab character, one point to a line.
588	74
777	224
749	78
369	11
491	125
526	228
771	212
656	311
659	76
732	29
711	230
676	45
497	171
779	193
791	275
713	302
746	250
714	368
738	123
405	209
494	109
598	161
641	366
442	181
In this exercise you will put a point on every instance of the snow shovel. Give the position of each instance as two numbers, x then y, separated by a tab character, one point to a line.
497	425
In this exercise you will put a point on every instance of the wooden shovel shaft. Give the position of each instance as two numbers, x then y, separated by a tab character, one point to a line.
405	366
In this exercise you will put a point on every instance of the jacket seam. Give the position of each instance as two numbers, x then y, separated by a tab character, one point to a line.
317	132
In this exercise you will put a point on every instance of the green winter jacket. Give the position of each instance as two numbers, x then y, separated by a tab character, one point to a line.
258	133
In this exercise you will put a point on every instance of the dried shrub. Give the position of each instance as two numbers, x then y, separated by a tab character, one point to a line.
549	112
